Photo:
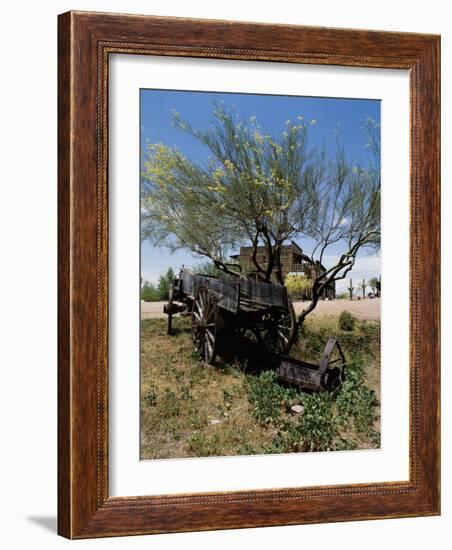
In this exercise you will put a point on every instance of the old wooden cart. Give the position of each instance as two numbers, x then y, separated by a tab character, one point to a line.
261	312
219	306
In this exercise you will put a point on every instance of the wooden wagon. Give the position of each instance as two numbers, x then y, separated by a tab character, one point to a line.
258	311
219	306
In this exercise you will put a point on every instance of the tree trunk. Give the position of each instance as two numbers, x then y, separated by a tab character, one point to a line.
277	264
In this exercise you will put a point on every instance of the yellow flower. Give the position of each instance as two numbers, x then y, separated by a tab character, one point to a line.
258	137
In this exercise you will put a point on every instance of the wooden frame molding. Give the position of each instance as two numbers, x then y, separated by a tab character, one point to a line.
85	42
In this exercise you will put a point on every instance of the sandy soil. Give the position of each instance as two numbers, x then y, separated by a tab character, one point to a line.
363	309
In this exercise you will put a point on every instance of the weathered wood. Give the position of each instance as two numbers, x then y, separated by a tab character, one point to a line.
315	377
231	294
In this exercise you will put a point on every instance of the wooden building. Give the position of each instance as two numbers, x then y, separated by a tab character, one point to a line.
293	260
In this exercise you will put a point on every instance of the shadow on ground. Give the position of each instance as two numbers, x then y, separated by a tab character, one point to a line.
49	523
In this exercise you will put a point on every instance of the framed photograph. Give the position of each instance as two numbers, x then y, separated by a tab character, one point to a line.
248	275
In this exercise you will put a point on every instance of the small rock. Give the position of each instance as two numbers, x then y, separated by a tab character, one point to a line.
297	409
214	421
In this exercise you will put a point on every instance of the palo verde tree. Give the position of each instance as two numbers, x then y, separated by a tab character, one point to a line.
262	189
348	214
254	188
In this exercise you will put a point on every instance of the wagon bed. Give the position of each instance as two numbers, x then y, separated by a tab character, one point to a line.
233	295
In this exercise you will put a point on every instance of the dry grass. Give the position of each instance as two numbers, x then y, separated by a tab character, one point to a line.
188	409
198	410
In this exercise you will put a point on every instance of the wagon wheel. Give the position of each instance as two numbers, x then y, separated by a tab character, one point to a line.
280	334
276	331
331	366
204	324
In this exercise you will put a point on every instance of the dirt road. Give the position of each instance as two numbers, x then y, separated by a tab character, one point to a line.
363	309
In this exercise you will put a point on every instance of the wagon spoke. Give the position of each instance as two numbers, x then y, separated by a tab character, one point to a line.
197	316
200	308
202	300
208	310
208	348
204	323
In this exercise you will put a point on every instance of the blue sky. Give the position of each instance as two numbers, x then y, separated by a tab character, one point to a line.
328	115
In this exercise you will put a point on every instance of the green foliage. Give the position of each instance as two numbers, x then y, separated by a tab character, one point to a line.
149	293
347	321
315	429
298	286
265	395
370	330
166	282
342	295
317	426
207	268
355	401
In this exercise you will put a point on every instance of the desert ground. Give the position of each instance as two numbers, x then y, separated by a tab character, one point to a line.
363	309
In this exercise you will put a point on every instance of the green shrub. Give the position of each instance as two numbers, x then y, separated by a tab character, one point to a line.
315	430
355	401
371	330
317	426
149	293
265	395
165	283
347	321
298	286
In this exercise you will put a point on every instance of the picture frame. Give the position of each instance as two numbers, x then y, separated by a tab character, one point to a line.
86	40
